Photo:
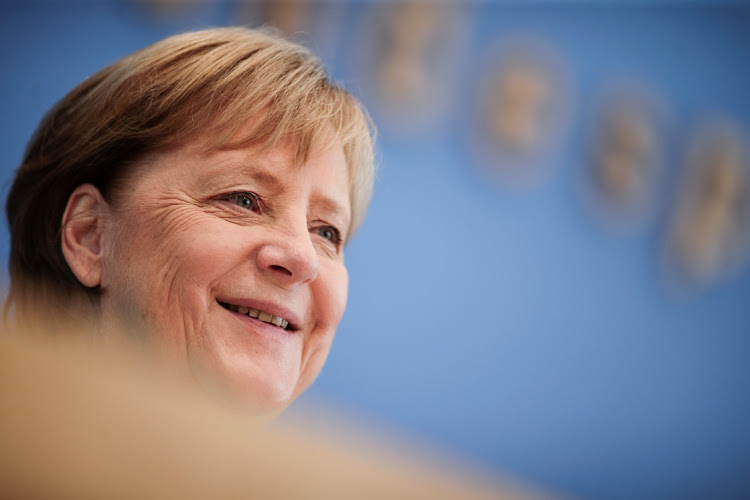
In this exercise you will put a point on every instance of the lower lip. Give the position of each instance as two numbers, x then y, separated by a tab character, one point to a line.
256	324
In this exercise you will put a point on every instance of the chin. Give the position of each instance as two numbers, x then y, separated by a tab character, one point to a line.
264	398
262	392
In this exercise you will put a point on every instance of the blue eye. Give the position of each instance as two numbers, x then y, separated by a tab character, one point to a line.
247	200
329	233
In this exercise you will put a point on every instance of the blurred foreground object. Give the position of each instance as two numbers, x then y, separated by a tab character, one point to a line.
711	227
84	421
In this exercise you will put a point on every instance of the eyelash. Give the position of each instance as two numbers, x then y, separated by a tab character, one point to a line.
335	233
254	199
256	205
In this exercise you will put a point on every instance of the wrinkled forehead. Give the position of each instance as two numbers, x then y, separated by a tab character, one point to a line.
261	132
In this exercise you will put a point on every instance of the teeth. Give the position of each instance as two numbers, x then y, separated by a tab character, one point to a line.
264	316
274	320
261	315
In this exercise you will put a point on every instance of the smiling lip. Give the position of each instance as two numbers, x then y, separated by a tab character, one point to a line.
266	312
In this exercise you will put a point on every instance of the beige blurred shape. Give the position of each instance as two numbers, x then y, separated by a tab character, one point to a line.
519	107
170	8
412	30
710	228
625	158
288	15
522	110
524	102
88	421
291	17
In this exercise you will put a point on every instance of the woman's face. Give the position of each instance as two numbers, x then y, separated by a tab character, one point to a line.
233	263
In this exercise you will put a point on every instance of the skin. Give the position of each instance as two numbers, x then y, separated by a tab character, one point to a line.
189	231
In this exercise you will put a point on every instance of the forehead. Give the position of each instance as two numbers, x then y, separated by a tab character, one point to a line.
277	165
256	138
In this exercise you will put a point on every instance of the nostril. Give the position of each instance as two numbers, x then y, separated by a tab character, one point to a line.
281	269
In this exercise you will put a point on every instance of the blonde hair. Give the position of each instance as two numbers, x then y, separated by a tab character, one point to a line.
206	82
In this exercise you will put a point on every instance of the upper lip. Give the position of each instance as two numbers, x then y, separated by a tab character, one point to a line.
269	307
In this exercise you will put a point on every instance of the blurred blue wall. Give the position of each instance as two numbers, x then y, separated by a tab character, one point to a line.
508	325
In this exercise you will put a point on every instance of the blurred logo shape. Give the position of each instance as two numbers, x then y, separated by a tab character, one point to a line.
524	101
711	227
289	16
520	103
626	157
174	9
312	23
412	30
411	55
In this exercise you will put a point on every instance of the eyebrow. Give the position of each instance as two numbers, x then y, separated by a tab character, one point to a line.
264	178
241	171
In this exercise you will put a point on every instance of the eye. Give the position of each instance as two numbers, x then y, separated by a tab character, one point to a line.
329	233
247	200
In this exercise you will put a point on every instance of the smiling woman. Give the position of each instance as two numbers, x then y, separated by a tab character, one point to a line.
197	194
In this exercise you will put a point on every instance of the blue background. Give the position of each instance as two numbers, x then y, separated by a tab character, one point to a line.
507	325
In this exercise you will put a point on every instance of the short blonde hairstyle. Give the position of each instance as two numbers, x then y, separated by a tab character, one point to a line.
206	82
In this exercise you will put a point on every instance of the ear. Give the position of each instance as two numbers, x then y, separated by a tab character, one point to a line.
82	227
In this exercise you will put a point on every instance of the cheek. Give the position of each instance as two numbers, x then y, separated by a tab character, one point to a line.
167	260
168	237
333	294
330	295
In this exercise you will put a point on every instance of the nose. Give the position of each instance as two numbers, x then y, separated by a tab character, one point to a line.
289	257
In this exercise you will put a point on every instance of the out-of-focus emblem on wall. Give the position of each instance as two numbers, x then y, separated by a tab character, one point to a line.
523	106
173	9
289	16
310	22
710	231
409	54
626	154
